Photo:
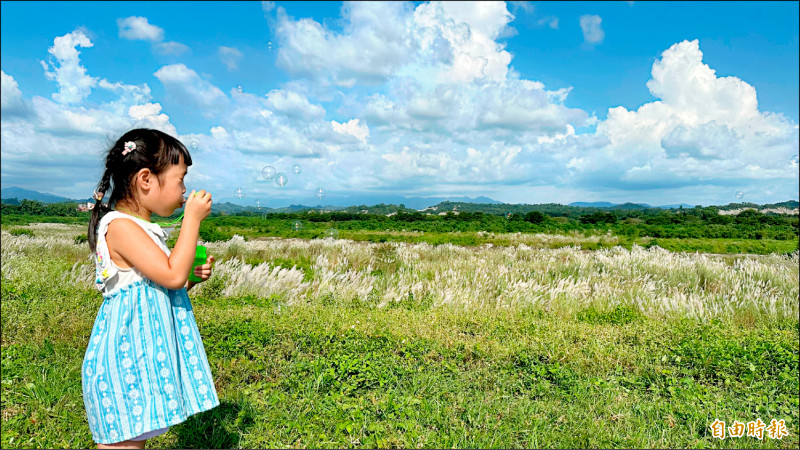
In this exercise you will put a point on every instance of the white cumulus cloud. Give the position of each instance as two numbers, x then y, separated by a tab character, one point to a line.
73	82
267	7
171	48
11	96
126	95
703	130
149	116
189	88
469	32
230	56
138	28
353	127
373	44
293	104
592	32
550	21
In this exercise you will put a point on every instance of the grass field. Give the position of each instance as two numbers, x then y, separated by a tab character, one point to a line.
320	343
590	240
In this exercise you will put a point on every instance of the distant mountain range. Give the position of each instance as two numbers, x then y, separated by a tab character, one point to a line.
228	205
24	194
627	205
357	200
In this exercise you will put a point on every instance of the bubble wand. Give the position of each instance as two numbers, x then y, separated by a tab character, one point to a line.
167	225
162	224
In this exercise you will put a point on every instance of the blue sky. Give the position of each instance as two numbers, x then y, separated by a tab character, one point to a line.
523	102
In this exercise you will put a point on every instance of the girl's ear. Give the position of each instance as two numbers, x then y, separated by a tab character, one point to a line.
144	178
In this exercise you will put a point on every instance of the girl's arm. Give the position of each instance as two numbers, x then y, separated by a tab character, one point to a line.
133	244
137	249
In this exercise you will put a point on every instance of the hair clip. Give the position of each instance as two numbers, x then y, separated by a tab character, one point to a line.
129	147
98	196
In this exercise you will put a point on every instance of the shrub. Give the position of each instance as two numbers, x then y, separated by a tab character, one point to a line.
535	217
620	315
21	232
210	233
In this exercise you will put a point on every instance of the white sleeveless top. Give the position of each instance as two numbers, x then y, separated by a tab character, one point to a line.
109	276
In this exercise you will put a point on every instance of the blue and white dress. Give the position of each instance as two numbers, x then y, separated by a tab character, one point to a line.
145	367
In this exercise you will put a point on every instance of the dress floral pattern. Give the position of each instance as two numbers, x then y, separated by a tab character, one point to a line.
145	367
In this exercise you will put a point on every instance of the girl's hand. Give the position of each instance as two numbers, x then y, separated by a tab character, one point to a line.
204	271
198	205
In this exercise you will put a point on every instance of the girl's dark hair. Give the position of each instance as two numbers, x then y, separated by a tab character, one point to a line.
155	150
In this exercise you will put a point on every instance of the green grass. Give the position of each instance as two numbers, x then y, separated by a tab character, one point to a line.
22	219
330	374
21	232
719	245
471	238
255	228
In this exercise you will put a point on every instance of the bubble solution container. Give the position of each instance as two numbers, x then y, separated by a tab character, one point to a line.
199	260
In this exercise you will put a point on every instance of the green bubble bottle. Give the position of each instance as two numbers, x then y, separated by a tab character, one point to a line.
199	260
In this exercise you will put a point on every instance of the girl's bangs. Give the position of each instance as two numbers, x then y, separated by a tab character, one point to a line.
172	151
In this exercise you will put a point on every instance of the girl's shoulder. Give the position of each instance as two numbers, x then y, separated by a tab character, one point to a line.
110	218
127	229
111	215
123	233
152	229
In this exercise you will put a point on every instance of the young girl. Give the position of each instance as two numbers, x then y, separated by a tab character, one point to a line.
145	367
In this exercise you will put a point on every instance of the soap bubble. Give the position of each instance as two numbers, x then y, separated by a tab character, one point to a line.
281	179
239	89
320	193
296	169
509	215
296	225
331	233
239	193
739	194
268	172
269	46
195	145
795	160
258	204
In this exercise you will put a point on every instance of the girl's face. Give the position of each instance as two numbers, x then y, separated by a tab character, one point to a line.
170	189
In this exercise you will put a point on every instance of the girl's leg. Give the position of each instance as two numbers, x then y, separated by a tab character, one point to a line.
136	442
124	444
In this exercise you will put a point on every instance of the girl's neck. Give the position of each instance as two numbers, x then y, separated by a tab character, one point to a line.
141	212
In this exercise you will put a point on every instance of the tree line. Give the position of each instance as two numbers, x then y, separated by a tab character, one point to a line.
698	222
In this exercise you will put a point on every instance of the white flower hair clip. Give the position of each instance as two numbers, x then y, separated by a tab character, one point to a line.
129	147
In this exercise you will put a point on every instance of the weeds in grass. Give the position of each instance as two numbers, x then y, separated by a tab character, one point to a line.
377	345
